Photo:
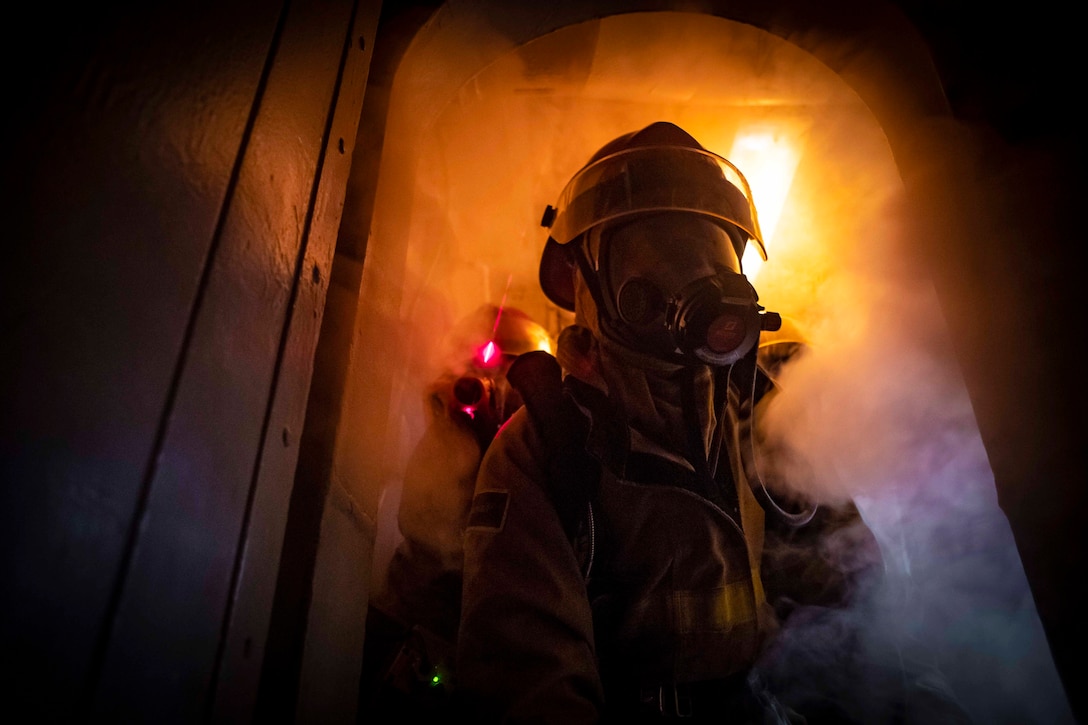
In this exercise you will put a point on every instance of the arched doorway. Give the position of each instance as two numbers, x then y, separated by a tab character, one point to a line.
480	134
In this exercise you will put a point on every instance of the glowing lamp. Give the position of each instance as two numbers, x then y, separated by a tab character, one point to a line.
489	354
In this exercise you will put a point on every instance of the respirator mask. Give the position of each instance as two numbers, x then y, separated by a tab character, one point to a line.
669	285
714	320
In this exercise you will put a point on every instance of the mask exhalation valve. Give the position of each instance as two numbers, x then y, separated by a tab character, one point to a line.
717	319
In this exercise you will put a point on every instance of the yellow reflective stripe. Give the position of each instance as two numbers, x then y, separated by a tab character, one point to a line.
714	610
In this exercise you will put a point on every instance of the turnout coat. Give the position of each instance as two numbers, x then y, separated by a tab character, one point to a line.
607	577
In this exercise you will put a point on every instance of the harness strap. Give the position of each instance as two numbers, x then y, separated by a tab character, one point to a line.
573	474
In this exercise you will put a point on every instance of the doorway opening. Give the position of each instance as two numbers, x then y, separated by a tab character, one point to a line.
483	131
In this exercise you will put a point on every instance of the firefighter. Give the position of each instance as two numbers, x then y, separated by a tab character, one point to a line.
412	618
615	550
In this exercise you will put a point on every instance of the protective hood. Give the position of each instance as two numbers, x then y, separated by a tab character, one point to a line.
649	391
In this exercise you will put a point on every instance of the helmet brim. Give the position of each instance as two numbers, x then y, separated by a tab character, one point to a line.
648	179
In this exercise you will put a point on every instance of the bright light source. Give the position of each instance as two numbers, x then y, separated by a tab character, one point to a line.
768	162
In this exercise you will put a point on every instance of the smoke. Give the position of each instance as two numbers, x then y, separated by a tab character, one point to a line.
876	411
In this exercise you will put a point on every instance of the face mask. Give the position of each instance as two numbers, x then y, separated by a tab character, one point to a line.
714	320
671	288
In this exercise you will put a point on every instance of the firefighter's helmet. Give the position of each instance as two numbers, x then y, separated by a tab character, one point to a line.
659	168
473	388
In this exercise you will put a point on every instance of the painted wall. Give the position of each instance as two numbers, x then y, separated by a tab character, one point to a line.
174	177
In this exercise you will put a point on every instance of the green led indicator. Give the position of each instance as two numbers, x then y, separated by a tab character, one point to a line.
437	679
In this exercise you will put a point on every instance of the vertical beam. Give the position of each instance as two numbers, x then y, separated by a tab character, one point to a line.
314	651
258	555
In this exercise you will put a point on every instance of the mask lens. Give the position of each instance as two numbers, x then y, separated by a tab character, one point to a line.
639	301
726	333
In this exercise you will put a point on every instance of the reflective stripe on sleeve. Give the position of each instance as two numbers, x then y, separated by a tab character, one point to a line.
489	510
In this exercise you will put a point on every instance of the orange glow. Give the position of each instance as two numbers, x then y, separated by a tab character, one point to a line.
768	161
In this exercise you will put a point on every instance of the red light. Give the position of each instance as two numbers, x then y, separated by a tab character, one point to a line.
489	353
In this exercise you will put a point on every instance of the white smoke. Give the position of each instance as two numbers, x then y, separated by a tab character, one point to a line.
876	411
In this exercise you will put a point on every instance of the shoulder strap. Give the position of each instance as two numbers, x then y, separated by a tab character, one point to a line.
573	474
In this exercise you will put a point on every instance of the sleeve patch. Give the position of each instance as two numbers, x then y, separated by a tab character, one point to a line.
489	510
